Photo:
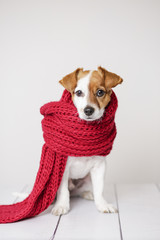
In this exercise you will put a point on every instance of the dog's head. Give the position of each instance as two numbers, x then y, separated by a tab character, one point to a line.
91	91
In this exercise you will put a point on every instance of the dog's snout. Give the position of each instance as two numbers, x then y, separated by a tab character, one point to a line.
88	110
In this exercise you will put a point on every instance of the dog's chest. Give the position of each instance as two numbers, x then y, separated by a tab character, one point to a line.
79	167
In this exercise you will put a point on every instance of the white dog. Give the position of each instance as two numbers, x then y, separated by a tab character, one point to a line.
91	91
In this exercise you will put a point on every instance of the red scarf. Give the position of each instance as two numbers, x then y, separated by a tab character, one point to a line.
65	134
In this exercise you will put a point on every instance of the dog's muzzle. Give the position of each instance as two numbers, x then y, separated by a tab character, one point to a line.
88	110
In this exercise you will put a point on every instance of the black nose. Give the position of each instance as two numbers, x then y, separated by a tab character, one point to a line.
88	110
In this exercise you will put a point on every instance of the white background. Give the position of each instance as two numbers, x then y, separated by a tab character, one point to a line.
42	41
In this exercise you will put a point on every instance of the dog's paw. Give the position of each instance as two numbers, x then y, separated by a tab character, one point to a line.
106	208
87	195
58	210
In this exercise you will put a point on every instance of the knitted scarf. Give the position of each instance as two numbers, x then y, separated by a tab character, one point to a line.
65	134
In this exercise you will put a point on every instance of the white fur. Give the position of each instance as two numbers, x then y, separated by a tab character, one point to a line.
90	168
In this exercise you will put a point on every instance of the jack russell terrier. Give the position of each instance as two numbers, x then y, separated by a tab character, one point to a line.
90	91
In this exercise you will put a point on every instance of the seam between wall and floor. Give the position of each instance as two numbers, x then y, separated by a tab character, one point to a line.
119	219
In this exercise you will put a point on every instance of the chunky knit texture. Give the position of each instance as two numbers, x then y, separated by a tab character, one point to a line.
65	134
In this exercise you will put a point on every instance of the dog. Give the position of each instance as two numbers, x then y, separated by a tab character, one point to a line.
91	93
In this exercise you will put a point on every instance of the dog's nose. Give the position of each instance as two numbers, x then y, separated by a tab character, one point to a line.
88	110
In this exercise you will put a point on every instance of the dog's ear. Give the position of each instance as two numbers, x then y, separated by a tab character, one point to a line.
69	82
111	79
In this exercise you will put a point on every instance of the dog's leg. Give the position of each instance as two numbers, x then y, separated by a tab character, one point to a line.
62	204
97	177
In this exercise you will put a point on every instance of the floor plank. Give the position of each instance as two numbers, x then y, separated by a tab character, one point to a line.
139	209
85	222
40	227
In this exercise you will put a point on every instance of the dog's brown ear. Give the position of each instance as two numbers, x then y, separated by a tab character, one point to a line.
69	82
111	79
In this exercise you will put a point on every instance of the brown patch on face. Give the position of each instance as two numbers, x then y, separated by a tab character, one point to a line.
69	82
97	82
82	74
102	80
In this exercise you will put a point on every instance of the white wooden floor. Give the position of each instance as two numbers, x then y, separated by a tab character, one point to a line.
138	217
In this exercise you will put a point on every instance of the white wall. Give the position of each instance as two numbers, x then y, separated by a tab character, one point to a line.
41	41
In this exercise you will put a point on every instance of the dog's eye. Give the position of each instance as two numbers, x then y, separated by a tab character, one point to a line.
78	93
100	93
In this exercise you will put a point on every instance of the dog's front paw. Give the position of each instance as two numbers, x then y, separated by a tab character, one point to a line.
58	210
87	195
104	207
